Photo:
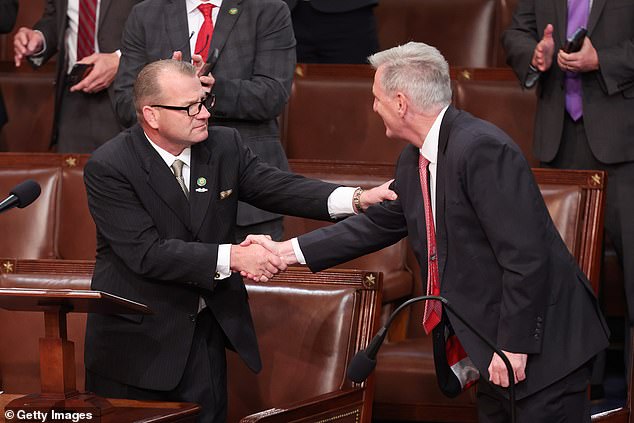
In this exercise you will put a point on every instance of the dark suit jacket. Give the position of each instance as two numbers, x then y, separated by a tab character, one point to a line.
253	74
335	6
502	262
155	247
8	13
608	94
53	24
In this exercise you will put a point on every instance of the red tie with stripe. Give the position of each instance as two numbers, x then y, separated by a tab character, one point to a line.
206	31
86	29
457	359
433	309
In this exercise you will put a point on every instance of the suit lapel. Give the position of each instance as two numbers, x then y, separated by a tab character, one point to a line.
160	178
441	178
175	17
561	7
227	16
103	11
202	185
595	12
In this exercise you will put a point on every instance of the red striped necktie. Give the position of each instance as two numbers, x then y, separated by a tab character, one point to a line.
433	309
86	29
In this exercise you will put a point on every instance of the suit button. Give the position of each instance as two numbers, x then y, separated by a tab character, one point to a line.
217	275
536	336
539	319
538	330
192	317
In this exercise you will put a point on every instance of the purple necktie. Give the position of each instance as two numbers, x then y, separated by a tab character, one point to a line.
578	11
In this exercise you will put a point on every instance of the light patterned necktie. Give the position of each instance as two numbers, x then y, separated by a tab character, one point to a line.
177	168
433	309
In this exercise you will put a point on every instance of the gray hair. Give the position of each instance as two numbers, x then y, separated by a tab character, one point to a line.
419	71
147	87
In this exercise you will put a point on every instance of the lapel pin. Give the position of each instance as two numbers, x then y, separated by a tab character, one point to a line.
201	190
201	182
233	11
225	194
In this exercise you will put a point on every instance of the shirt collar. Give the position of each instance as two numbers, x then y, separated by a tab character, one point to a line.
169	158
429	149
192	5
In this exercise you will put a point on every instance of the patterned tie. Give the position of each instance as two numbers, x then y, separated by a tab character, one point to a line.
177	168
578	11
433	309
206	31
86	29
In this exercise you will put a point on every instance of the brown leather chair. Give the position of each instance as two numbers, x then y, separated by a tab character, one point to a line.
309	326
58	224
29	98
463	30
496	96
406	387
329	116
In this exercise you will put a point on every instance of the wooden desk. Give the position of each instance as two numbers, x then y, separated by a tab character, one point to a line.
129	411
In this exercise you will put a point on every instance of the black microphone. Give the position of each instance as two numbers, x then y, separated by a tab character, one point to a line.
21	195
364	361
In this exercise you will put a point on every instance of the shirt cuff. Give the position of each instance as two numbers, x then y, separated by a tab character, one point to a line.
531	77
298	251
223	266
340	202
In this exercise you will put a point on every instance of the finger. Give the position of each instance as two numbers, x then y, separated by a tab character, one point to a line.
197	60
520	375
177	55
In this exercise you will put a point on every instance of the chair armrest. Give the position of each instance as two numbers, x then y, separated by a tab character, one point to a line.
343	405
620	415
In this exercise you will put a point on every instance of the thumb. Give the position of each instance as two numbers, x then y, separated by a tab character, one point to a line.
548	31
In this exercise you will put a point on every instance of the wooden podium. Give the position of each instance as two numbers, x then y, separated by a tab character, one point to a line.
57	354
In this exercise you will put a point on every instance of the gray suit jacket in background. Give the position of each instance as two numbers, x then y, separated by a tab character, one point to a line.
254	71
608	93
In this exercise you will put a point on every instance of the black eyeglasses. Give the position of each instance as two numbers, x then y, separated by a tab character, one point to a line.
194	108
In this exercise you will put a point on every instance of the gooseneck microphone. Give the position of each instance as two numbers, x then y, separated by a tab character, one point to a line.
364	361
21	195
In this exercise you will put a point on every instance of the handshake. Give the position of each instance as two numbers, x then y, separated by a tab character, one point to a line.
259	258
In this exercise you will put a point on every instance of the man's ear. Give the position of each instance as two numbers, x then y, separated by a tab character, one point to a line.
150	115
402	104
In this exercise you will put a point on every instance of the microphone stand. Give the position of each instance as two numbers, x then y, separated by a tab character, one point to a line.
378	340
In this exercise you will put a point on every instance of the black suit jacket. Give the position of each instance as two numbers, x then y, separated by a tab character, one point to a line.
502	262
155	247
8	14
254	71
335	6
53	24
608	93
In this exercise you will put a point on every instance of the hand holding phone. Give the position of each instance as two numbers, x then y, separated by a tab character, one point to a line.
79	72
575	42
212	58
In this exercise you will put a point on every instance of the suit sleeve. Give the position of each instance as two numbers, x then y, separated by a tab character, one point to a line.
133	59
521	38
131	233
47	25
264	95
8	14
515	220
382	225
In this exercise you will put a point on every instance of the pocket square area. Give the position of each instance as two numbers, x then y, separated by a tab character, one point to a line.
225	194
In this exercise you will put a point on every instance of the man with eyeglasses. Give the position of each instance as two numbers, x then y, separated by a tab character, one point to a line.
253	71
164	197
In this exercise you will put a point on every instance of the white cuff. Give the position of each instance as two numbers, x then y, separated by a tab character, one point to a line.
340	202
223	267
298	251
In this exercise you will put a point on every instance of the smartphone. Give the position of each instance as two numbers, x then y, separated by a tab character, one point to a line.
575	42
79	72
212	58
